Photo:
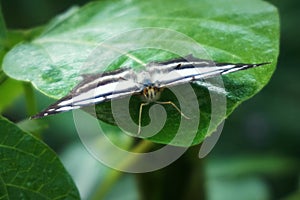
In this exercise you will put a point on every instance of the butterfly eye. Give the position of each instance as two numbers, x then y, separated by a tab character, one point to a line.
145	91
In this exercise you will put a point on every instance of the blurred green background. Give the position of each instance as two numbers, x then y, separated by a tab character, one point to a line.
257	156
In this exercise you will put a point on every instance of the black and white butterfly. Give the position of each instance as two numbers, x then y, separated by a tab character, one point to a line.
149	83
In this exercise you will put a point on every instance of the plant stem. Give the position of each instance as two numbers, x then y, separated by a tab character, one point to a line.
3	77
114	175
183	179
30	100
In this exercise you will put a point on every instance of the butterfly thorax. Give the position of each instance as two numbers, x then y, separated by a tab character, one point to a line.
151	93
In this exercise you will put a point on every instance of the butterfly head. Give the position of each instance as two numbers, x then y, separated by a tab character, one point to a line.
151	93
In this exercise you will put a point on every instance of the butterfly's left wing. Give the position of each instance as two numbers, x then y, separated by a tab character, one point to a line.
180	71
95	89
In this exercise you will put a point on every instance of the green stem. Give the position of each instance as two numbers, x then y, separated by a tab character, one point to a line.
112	177
30	99
183	179
3	77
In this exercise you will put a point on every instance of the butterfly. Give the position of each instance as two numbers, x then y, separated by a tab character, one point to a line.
148	83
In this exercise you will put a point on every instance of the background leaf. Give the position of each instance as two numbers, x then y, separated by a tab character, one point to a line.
29	169
254	175
230	31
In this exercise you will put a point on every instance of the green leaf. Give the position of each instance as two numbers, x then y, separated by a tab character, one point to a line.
228	30
29	169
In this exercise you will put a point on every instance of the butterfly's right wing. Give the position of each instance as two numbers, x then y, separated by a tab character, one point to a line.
190	69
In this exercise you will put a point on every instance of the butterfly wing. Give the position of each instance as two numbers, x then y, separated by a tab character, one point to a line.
189	69
95	89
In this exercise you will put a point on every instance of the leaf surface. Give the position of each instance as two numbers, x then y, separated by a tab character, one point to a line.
229	31
29	169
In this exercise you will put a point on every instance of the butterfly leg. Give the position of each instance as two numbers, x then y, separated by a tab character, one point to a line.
173	104
140	116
